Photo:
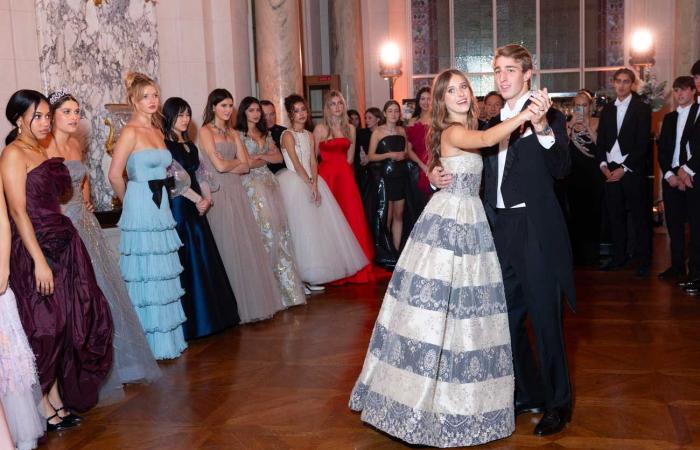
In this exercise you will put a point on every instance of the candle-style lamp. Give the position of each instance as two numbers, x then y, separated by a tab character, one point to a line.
642	50
390	65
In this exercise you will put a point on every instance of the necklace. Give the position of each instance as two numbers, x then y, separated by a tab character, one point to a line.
32	146
222	131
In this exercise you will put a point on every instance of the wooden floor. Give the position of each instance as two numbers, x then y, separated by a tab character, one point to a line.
634	352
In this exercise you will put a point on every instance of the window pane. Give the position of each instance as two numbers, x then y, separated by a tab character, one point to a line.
560	82
559	38
430	21
605	33
515	23
599	82
473	27
482	84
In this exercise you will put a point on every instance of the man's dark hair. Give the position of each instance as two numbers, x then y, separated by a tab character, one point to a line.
685	82
695	70
626	71
266	103
491	94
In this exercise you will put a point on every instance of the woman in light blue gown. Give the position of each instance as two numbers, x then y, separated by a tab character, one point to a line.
149	262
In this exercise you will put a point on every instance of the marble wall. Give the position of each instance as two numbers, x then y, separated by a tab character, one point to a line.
87	50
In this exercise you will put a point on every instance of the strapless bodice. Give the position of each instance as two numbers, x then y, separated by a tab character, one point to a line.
226	149
393	143
334	149
77	171
149	164
466	173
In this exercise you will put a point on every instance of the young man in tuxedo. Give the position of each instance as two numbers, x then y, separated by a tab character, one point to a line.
671	158
531	241
623	150
270	115
687	174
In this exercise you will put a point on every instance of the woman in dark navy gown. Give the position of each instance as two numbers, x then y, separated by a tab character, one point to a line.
209	302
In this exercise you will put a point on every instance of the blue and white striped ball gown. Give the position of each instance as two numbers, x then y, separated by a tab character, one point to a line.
439	367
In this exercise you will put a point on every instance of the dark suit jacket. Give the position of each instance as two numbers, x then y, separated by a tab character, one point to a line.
633	137
276	133
667	138
528	175
693	137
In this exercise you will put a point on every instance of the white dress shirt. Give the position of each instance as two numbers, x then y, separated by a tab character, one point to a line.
545	141
687	149
615	154
683	112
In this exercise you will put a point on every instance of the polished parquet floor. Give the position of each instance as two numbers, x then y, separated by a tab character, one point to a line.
634	351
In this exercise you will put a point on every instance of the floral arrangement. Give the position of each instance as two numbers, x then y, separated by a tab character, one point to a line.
652	92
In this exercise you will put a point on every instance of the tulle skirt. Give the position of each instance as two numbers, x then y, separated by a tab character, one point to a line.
20	392
325	247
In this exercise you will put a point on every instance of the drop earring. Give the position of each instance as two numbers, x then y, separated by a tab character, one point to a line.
19	129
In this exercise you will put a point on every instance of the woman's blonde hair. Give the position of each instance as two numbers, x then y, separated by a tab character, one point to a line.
136	83
344	121
440	120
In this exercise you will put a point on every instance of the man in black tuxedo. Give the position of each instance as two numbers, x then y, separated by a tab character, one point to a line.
674	133
623	151
270	115
687	174
531	241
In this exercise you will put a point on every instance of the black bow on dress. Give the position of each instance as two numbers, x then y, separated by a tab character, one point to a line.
156	187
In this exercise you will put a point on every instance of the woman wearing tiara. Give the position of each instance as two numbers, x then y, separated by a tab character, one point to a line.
149	243
325	247
133	360
266	201
439	368
64	314
209	302
236	232
20	422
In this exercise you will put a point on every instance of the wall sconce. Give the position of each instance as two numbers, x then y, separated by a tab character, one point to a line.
642	50
390	65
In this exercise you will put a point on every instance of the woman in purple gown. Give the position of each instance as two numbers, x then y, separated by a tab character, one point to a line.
62	310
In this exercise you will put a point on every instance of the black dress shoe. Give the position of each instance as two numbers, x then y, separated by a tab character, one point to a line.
529	408
553	421
692	289
672	273
70	418
612	265
60	426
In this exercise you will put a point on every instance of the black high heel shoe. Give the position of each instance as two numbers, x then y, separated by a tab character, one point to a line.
70	417
60	426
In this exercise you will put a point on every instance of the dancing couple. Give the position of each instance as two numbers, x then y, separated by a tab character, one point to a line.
440	370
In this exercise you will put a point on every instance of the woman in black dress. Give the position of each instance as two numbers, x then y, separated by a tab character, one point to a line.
209	302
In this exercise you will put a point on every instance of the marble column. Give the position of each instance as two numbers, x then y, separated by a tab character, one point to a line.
346	50
687	48
278	51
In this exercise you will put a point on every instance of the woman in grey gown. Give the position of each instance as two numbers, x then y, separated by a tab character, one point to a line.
133	360
231	219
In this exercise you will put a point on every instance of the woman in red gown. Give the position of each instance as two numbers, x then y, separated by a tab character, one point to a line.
416	133
335	141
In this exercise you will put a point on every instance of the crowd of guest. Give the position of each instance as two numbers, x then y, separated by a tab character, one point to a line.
255	217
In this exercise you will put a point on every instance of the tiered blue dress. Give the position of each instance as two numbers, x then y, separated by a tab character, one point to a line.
149	260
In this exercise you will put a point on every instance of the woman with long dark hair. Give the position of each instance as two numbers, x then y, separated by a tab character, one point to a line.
62	309
440	357
325	247
149	243
231	220
209	303
416	133
133	359
265	200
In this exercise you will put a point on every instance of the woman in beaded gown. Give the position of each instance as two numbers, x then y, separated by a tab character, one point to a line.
133	360
149	243
232	222
64	314
335	139
324	245
266	201
439	367
209	303
20	422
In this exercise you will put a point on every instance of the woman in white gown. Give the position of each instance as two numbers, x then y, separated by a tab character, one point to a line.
325	247
439	368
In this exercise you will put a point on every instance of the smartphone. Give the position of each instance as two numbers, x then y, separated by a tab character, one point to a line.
578	113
